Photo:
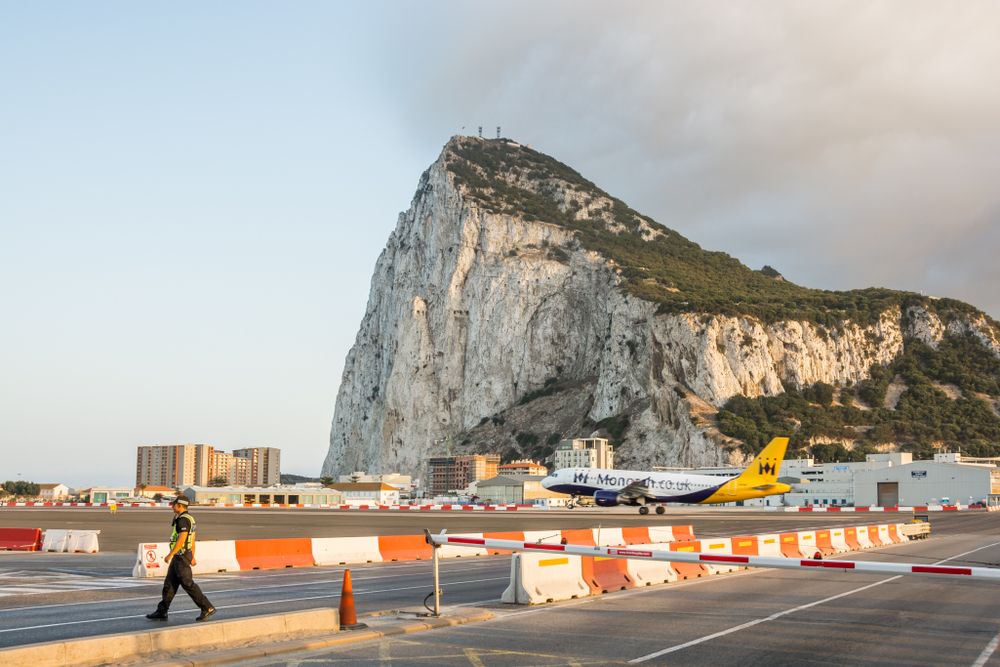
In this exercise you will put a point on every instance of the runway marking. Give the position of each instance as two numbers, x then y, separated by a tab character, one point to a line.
247	604
775	616
987	652
34	582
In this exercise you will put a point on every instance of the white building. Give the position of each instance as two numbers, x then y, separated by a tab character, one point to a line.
368	493
402	482
924	483
50	492
255	495
584	453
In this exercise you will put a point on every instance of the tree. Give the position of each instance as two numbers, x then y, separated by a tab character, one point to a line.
220	480
326	480
22	488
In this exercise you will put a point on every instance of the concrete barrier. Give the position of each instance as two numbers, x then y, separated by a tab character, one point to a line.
345	550
873	536
609	537
273	553
131	646
746	545
541	578
403	547
824	542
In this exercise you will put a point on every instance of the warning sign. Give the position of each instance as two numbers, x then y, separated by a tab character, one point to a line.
150	556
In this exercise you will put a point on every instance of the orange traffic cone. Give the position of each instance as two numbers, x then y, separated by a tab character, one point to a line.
348	616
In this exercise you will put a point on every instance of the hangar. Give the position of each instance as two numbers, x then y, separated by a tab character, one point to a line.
922	483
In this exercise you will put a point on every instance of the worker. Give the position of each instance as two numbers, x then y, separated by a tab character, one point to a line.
179	562
113	507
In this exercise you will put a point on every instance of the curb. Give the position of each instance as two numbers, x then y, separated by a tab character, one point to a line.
314	644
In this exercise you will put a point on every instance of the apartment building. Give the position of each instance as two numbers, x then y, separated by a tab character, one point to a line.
584	453
455	473
265	464
179	466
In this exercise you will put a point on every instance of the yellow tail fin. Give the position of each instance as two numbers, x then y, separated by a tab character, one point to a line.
765	467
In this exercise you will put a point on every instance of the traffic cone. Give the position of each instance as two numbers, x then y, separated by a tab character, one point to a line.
348	616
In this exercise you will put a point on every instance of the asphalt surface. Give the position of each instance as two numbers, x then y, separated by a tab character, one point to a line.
125	530
899	621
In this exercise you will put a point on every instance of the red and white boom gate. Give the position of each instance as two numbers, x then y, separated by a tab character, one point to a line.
869	567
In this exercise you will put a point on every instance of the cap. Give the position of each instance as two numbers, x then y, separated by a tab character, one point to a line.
181	500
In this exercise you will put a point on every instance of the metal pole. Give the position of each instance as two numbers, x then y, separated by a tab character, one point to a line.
437	582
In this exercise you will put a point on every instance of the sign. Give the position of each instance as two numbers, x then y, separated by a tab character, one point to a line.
918	474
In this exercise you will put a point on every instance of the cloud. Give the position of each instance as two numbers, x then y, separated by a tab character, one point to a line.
847	144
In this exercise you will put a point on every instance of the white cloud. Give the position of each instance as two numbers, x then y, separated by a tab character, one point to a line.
848	144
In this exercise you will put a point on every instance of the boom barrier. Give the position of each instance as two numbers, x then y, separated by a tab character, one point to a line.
864	567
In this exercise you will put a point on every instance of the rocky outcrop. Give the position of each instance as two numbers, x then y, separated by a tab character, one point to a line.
473	312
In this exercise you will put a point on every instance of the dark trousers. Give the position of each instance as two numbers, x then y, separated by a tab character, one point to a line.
179	572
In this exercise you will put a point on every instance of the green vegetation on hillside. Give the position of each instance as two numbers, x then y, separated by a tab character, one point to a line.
923	417
667	269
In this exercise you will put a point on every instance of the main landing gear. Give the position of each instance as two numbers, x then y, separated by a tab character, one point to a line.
644	509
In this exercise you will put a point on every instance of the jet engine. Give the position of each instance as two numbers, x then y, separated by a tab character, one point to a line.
609	499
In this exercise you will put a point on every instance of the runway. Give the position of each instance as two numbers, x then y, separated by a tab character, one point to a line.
772	617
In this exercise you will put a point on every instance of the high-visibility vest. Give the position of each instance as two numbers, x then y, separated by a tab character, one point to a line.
189	541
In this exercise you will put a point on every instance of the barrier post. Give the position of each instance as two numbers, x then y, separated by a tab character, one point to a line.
437	572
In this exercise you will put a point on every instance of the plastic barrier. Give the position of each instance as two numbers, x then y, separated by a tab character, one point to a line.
345	550
790	545
543	536
769	545
650	572
681	533
851	537
688	570
662	534
745	545
824	542
584	536
448	551
539	578
609	537
404	547
883	535
873	536
54	540
20	539
864	541
638	535
273	554
215	556
807	543
606	574
894	533
149	559
719	546
838	540
82	541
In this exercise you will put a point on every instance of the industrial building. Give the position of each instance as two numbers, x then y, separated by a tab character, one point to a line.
518	489
274	495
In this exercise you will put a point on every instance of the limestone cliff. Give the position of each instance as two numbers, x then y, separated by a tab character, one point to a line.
516	303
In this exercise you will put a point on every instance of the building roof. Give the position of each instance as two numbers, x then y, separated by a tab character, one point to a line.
509	480
364	486
151	487
50	486
259	489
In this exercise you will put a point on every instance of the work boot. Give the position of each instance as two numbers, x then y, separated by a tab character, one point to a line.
205	614
157	616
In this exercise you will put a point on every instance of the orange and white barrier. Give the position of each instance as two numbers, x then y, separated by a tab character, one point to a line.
537	578
346	550
721	546
237	555
650	572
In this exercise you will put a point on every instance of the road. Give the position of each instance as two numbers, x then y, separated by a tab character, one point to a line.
793	617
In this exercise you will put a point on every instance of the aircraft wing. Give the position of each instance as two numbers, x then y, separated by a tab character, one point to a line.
635	490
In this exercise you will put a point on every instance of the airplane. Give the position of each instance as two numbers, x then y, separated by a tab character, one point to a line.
630	487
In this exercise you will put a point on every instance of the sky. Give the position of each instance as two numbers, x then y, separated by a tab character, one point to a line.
193	195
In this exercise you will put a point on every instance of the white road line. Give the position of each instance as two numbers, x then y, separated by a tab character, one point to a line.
249	604
779	614
987	652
